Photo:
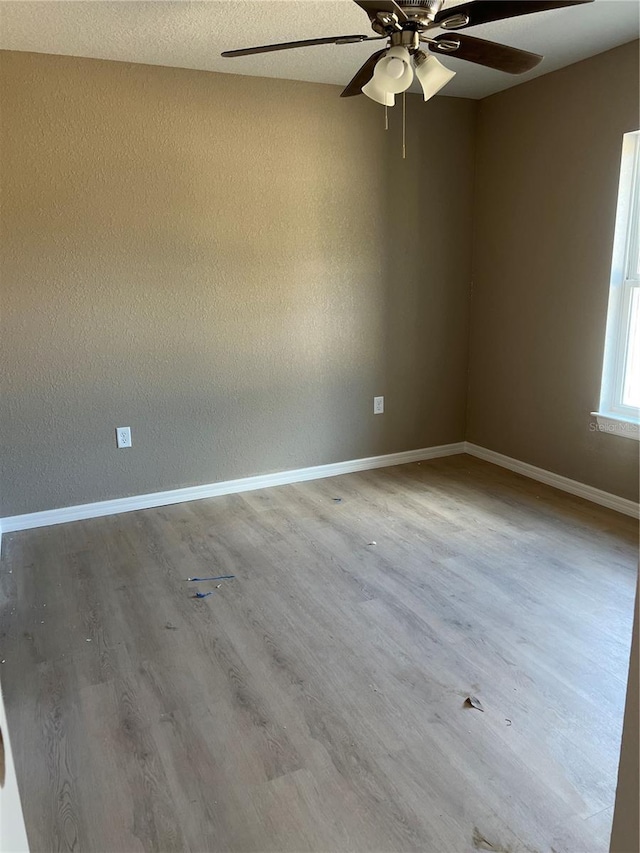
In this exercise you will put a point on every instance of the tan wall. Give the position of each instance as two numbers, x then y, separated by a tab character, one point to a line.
232	266
548	159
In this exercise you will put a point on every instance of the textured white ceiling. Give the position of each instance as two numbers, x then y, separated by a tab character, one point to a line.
192	34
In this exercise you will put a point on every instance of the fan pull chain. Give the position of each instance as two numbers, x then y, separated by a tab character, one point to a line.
404	125
386	118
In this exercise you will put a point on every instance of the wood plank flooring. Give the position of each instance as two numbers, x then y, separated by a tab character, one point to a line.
316	701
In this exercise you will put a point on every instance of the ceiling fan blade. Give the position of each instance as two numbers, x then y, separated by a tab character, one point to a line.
287	45
489	53
372	7
364	74
485	11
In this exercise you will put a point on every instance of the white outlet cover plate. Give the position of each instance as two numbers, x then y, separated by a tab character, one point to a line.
123	436
378	405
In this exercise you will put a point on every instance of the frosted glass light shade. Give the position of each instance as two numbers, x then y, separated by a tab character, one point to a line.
432	74
386	81
377	93
386	70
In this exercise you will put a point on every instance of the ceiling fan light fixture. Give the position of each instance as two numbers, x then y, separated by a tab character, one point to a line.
394	72
431	73
395	68
374	91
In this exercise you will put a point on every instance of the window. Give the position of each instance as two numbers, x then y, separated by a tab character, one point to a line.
619	410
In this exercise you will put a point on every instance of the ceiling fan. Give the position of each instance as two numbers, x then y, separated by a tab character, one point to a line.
407	24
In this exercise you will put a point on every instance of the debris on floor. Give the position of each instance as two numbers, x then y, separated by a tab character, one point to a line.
473	702
218	578
372	543
481	843
508	721
170	627
337	500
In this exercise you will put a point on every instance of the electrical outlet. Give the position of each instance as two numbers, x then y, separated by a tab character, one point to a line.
378	405
123	436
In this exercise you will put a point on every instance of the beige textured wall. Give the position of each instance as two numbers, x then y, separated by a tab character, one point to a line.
548	159
232	266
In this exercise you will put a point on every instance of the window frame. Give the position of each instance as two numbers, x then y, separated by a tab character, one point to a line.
613	414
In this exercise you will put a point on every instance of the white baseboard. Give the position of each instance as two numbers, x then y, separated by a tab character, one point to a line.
574	487
317	472
227	487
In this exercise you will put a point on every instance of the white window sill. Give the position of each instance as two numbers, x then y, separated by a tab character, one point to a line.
616	425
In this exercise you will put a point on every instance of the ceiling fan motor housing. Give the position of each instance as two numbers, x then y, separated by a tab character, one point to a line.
421	11
417	15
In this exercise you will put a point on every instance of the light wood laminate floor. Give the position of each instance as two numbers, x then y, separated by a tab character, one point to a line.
316	701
